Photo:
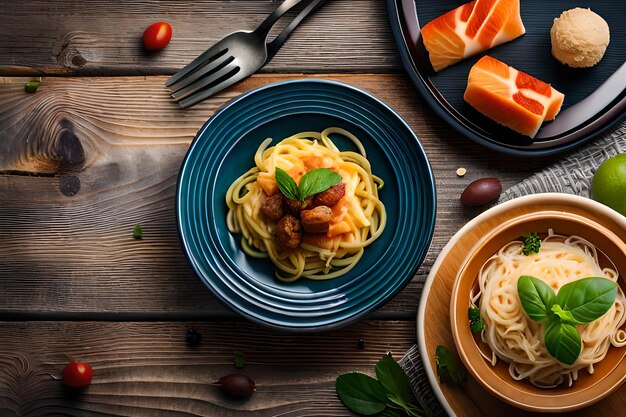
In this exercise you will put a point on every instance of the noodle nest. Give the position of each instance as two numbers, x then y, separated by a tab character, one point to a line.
361	217
518	340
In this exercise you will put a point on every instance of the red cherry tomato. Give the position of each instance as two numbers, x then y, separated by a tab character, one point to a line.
77	374
157	36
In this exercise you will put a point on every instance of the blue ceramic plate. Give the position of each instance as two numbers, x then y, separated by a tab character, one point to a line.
595	98
223	149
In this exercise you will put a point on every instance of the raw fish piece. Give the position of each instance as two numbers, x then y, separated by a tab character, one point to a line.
511	97
470	29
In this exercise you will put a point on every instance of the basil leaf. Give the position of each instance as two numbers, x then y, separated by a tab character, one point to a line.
536	297
448	368
564	315
394	381
361	393
562	341
286	185
316	181
587	299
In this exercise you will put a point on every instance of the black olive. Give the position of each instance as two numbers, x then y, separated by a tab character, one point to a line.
237	385
193	337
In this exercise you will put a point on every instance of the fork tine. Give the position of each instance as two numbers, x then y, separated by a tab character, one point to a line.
207	69
212	53
201	95
204	82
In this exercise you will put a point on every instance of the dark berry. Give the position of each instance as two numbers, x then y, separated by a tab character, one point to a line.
360	344
193	337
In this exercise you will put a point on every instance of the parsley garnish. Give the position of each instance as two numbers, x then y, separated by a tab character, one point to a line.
137	232
532	243
31	86
476	322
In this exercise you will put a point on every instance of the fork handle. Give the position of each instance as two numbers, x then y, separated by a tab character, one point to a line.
265	27
274	46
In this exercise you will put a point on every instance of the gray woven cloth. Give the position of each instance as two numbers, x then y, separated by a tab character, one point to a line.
571	175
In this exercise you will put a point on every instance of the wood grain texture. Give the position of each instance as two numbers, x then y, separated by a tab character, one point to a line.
104	37
85	159
146	369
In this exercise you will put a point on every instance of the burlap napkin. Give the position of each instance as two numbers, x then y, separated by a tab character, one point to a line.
571	175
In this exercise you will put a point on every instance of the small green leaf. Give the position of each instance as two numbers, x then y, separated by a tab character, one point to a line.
361	393
587	299
564	315
31	86
532	243
448	368
240	360
476	322
287	185
317	181
137	232
562	341
394	381
536	297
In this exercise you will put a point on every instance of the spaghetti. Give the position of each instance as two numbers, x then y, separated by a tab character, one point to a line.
518	340
358	218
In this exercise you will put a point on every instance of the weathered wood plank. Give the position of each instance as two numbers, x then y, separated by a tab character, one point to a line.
146	369
104	37
85	159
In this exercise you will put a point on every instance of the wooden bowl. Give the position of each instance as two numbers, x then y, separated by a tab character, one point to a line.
608	374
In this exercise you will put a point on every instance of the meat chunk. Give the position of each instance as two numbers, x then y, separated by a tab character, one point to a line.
273	207
331	196
316	220
295	207
288	233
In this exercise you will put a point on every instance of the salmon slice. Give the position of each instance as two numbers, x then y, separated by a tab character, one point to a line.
510	97
470	29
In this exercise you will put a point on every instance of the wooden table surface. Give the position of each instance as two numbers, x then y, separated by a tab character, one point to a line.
97	149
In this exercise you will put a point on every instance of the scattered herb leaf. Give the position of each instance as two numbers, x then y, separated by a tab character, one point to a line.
361	393
388	396
137	232
394	381
578	302
448	367
31	86
240	360
311	183
476	322
532	243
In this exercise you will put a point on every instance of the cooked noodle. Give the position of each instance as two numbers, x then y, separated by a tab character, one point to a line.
358	219
518	340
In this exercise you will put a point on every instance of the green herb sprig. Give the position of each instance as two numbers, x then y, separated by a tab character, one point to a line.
576	303
137	232
532	243
389	396
476	322
448	367
31	86
239	359
313	182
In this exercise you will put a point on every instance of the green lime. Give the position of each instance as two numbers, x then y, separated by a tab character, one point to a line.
609	183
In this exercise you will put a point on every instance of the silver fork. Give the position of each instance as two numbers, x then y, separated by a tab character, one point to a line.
235	57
